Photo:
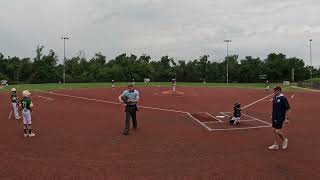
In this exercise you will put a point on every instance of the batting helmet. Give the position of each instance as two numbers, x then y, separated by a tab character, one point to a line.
26	93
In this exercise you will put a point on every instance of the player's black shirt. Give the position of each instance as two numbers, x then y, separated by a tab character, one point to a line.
280	106
14	98
236	112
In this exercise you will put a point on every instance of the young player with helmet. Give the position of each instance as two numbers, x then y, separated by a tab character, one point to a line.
113	85
26	107
15	103
174	84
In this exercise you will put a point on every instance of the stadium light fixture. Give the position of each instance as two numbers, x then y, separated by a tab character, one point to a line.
310	40
64	58
227	41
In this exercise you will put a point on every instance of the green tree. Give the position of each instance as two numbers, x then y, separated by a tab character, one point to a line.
45	67
250	69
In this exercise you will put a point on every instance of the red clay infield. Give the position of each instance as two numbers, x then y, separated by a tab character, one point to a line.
79	137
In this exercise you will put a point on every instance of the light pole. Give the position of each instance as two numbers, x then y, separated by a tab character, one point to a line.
310	40
227	41
64	58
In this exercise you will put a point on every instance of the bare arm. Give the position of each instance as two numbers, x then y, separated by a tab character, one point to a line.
288	109
120	100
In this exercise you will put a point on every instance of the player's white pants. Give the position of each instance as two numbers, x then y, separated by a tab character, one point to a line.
267	88
236	120
174	88
15	110
26	115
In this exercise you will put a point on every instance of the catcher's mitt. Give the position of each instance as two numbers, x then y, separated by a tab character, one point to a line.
124	99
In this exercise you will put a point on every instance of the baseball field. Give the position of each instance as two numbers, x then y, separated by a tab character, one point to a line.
187	136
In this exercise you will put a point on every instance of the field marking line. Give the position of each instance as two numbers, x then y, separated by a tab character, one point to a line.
266	100
247	120
244	128
246	115
111	102
257	119
145	107
224	113
213	117
217	122
197	120
161	109
255	102
211	122
45	98
253	118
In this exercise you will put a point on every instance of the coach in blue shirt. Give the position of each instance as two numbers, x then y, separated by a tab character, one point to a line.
130	97
280	106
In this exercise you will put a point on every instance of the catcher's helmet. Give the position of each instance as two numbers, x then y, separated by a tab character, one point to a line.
237	104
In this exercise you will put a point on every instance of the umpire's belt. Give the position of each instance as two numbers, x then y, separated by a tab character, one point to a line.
131	107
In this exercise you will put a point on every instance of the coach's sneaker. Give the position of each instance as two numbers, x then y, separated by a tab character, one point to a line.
32	135
274	147
25	135
285	144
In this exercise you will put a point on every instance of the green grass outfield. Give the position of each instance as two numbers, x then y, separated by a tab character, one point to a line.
53	86
314	80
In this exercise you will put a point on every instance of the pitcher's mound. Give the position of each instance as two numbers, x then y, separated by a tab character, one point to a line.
170	92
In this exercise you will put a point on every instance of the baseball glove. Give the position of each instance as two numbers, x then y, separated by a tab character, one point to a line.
124	99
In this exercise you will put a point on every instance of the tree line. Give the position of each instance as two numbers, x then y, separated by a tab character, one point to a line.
44	68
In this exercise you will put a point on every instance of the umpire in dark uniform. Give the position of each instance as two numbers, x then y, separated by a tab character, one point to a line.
280	107
130	97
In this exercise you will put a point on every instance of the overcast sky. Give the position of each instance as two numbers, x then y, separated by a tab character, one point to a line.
183	29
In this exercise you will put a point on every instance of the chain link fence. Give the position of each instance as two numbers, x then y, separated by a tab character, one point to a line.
311	85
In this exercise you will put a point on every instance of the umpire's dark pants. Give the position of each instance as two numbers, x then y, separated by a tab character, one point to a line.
130	113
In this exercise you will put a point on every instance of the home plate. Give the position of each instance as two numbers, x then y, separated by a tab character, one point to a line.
220	117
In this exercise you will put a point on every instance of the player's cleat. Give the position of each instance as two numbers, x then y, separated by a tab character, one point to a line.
32	135
125	132
285	144
25	135
274	147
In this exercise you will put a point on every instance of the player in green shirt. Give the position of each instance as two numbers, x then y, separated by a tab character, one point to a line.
26	106
14	102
